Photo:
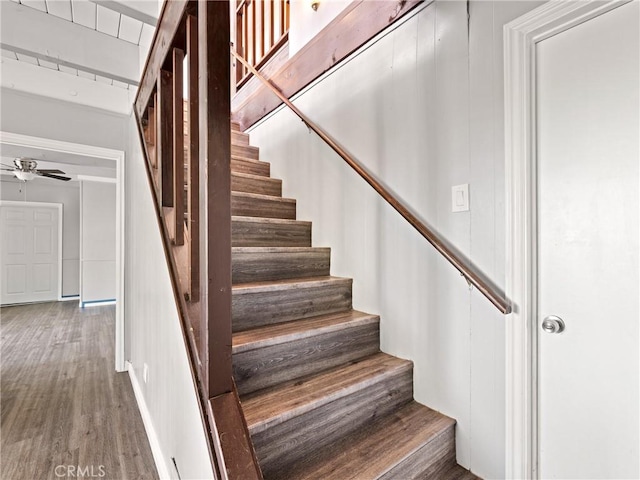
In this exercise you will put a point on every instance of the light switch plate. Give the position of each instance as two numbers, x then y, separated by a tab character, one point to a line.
460	198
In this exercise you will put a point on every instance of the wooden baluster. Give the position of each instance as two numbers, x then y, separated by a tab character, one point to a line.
282	17
194	190
239	44
272	13
253	32
245	30
260	30
287	6
151	132
165	138
178	148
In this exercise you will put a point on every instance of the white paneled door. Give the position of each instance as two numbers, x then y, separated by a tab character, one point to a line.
588	244
30	252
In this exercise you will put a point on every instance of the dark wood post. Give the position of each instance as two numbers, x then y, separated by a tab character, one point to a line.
178	147
194	190
215	183
165	137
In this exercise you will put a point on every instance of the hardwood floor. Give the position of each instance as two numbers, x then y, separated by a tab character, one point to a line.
64	408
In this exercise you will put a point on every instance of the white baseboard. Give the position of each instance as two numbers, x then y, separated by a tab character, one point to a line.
158	457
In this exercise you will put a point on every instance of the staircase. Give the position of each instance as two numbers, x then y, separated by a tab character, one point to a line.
319	398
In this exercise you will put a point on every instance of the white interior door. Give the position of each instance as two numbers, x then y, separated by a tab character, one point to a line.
30	253
588	244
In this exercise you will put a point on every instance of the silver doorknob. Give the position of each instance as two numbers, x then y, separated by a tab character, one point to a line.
553	324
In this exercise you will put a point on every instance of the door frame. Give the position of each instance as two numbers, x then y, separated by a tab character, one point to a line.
520	39
118	157
58	206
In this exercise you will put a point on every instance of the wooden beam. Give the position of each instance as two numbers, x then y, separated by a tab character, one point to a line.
357	24
165	137
215	181
194	159
168	24
178	146
127	10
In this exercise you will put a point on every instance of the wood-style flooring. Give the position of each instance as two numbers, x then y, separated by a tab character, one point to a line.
65	411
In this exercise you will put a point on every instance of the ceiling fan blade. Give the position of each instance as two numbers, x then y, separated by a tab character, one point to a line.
44	170
8	169
12	167
49	175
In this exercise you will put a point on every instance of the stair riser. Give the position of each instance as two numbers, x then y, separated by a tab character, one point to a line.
252	310
428	462
254	234
282	445
262	185
262	267
241	165
245	151
266	207
237	138
268	366
263	208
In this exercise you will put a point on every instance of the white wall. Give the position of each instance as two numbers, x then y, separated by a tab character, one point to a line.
152	329
53	191
305	23
50	118
97	241
423	109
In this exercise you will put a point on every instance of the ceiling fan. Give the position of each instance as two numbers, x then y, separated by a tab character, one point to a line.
27	169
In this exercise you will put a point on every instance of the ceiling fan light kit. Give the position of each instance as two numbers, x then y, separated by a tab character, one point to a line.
26	169
24	176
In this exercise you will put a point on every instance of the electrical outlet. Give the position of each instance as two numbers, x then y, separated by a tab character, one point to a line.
145	373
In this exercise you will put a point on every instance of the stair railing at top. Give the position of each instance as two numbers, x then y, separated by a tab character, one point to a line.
464	267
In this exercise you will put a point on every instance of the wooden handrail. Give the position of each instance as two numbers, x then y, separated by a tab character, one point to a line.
463	267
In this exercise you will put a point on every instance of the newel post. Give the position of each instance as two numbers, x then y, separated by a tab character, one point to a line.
215	192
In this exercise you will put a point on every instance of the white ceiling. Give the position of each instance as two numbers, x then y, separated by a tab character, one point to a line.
83	42
82	51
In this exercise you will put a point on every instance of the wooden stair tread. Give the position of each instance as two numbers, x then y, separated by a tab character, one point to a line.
236	156
373	450
287	284
250	183
265	220
246	151
250	175
275	405
268	302
248	165
251	264
286	332
260	196
261	231
259	205
283	250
